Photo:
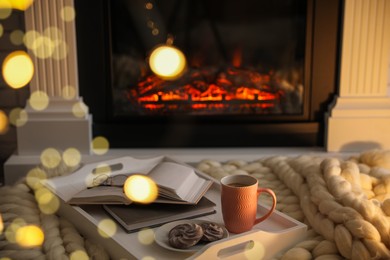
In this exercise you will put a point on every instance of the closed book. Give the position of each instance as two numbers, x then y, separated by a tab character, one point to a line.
134	217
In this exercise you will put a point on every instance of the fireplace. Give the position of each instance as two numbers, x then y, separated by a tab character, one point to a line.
259	73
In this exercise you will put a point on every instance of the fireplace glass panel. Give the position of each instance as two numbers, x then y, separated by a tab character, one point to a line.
243	57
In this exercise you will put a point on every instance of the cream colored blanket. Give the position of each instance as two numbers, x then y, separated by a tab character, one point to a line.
345	203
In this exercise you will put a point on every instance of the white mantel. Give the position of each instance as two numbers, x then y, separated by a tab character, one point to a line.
358	119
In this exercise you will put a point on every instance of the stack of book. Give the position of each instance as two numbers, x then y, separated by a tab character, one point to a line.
181	191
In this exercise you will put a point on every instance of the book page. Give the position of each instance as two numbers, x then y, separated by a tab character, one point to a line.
68	186
173	177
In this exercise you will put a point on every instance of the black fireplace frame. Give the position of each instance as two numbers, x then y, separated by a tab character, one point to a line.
307	129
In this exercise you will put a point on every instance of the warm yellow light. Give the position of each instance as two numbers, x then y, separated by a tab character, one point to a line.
79	255
1	224
50	158
167	62
39	100
1	30
146	236
16	4
71	157
140	188
107	228
100	145
3	122
29	236
18	69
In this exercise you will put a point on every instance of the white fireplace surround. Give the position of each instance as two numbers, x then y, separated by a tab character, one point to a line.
358	119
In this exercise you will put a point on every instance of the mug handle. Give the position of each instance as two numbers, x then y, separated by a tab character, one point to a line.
270	192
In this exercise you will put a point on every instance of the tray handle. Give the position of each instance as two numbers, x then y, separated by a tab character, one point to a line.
241	245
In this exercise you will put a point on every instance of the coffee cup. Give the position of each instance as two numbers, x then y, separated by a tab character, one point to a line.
239	200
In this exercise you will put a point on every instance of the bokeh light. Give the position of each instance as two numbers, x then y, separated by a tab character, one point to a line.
18	69
79	255
10	232
29	236
167	62
68	13
18	117
16	37
146	236
34	176
1	224
100	145
43	47
3	122
30	37
140	188
48	203
5	9
50	158
16	4
68	92
79	110
107	228
71	157
39	100
254	250
1	30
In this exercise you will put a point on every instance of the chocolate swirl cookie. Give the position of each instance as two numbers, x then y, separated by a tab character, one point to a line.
185	235
211	232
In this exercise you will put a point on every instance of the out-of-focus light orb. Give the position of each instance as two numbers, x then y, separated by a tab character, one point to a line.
43	47
1	224
254	250
79	110
100	145
146	236
39	100
53	33
18	117
21	5
68	13
60	51
4	123
68	92
167	62
34	177
29	236
16	37
79	255
18	69
50	158
140	188
5	9
1	30
71	157
30	37
48	203
107	228
43	195
10	232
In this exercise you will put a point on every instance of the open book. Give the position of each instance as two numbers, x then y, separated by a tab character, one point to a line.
137	216
177	183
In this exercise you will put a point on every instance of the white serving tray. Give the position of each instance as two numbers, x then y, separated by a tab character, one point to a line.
276	234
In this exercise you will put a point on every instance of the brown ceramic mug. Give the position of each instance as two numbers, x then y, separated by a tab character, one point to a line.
239	199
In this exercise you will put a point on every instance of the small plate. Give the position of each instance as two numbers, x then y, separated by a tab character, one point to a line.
161	235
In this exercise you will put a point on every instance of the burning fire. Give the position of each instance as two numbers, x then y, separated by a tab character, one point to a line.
200	89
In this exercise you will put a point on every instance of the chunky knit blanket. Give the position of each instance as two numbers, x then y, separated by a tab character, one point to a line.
344	201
